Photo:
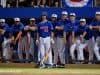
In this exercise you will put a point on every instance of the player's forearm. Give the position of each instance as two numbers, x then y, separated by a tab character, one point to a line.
18	36
32	28
64	34
52	35
96	27
84	34
59	28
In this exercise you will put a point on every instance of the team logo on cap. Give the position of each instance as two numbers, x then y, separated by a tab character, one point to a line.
76	3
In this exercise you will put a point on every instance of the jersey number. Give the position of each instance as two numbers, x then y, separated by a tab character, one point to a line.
46	29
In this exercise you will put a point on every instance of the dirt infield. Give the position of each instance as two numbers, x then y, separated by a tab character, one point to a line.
44	74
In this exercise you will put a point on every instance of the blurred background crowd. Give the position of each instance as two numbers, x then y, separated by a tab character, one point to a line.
38	3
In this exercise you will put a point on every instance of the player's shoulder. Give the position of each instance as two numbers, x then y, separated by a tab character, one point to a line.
49	22
21	24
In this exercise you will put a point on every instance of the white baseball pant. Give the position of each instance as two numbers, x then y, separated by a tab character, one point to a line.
23	46
31	47
7	52
91	49
96	47
73	47
79	46
59	50
93	46
45	45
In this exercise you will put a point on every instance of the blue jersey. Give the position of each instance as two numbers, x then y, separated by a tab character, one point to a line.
45	28
71	27
60	23
17	28
81	30
95	32
7	31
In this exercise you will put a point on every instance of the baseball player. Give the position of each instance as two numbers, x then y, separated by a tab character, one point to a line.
54	23
59	47
31	36
45	37
81	39
70	33
6	40
17	30
95	27
64	20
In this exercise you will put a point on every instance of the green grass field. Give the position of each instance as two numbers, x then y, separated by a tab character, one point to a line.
30	69
53	71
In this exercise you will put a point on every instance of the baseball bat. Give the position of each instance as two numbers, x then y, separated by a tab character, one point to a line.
45	58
